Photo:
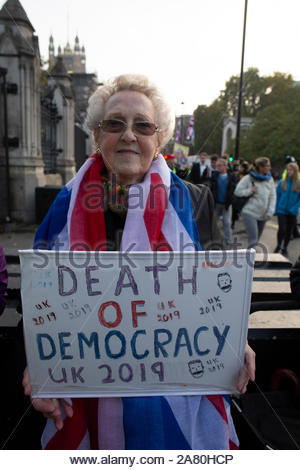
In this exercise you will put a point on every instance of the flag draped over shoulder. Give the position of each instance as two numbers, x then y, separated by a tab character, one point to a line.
159	217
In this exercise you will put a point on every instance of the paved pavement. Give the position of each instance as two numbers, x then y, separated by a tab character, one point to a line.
15	237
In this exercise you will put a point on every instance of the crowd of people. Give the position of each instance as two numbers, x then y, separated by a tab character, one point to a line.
249	191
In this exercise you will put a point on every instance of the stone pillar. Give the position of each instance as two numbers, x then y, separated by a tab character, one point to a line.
64	100
19	54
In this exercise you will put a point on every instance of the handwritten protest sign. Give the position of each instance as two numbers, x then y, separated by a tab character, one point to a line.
113	324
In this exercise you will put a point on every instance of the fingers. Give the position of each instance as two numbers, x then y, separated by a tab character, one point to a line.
67	408
248	370
250	362
47	406
26	383
243	380
50	409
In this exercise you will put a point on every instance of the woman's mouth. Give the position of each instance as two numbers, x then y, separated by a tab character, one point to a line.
128	152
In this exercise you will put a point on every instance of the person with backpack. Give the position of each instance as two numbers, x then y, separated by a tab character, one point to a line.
259	186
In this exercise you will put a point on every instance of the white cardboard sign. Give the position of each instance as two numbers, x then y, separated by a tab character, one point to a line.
138	324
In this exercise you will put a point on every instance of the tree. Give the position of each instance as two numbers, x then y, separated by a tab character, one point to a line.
279	89
208	127
254	90
273	102
275	129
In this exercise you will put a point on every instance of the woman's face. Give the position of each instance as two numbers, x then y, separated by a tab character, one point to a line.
265	169
290	171
126	154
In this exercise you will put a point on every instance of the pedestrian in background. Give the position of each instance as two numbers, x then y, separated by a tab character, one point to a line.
213	163
259	186
287	206
171	161
200	170
243	170
291	159
222	185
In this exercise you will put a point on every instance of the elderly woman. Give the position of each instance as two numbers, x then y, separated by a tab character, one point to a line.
130	122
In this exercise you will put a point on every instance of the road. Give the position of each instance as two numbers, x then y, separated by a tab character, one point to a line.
268	238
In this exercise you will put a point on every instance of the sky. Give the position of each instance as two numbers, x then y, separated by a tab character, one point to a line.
189	48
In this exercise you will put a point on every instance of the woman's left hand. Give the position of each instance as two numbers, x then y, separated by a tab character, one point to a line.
248	370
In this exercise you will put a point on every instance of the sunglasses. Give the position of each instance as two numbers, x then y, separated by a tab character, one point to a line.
115	126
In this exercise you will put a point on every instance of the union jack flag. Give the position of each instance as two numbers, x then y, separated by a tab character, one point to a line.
155	422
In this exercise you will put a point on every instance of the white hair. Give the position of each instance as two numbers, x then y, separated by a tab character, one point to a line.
165	119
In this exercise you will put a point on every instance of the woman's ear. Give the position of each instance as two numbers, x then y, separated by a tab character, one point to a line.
96	135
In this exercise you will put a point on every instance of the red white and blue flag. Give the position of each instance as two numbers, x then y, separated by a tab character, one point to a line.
161	220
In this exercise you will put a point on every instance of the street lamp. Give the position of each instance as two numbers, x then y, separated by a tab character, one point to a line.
238	124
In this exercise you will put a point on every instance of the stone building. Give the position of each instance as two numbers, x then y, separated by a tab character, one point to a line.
58	99
83	85
21	163
43	136
230	128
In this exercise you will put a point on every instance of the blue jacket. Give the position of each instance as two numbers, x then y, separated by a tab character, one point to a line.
288	201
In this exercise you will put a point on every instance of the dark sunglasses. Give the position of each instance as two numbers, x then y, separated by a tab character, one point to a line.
115	126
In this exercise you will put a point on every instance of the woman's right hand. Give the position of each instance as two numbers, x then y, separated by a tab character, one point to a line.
50	407
254	189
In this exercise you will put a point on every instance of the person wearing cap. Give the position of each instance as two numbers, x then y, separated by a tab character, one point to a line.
171	161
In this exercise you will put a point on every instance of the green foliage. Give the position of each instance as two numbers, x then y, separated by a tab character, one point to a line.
273	102
254	89
208	127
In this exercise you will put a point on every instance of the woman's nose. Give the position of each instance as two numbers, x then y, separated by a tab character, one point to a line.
128	135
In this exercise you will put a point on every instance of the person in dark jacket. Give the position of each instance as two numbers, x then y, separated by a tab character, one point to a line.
200	171
223	184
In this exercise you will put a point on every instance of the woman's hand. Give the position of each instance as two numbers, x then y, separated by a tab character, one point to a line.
248	370
50	407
